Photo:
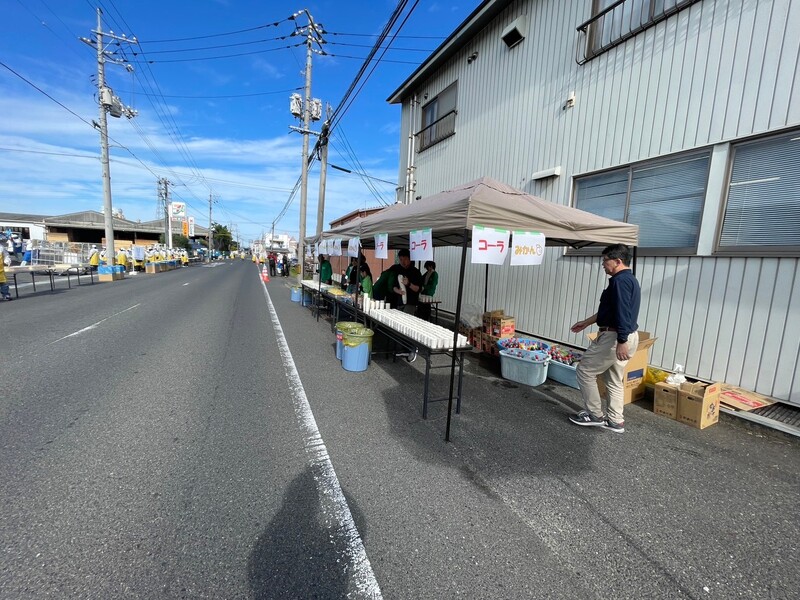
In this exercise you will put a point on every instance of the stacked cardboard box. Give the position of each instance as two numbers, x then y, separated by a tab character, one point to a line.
489	343
487	338
487	319
503	327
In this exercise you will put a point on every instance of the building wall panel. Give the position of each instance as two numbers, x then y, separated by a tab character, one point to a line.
716	72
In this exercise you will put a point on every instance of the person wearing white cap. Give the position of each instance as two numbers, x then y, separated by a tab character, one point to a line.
94	258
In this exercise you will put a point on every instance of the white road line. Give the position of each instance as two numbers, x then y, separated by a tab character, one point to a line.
80	331
185	284
332	501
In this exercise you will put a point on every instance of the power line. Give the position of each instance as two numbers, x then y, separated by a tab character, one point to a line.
40	90
213	35
180	60
219	97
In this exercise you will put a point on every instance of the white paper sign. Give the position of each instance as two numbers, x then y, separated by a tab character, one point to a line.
420	242
324	248
337	247
489	245
353	244
381	245
527	248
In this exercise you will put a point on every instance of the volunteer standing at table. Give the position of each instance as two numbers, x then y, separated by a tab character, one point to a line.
325	269
366	280
411	278
430	279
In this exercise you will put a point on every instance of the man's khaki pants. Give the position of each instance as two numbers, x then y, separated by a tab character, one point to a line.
600	358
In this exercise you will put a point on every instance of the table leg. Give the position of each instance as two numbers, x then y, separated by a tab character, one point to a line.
425	392
460	359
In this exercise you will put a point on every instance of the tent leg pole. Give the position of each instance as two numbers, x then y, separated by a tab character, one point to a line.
455	335
486	288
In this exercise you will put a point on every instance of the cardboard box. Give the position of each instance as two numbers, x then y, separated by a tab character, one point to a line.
698	404
111	276
635	370
489	344
503	327
487	320
665	400
474	338
742	399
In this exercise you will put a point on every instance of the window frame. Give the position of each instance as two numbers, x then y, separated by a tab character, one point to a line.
589	28
753	250
428	130
630	168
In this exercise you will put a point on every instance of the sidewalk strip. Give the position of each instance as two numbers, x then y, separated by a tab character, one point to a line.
331	498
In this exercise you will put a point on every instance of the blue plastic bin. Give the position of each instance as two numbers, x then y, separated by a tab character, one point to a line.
528	367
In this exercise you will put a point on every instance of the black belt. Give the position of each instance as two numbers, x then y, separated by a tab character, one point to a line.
602	329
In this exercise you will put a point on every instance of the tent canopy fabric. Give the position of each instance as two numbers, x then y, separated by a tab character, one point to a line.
487	203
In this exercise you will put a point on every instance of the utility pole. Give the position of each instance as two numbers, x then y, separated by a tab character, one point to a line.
309	111
163	197
323	171
108	103
210	231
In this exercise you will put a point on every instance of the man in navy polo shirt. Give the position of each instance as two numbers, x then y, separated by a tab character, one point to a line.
615	343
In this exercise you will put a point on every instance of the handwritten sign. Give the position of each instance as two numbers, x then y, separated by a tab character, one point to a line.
353	244
527	248
489	245
420	244
381	245
337	247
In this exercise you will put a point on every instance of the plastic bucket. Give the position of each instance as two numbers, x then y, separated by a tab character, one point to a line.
306	298
343	327
297	294
528	367
356	347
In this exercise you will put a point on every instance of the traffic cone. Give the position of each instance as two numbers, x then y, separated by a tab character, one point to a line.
264	274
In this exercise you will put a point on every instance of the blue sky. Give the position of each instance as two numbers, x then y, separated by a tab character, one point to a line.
209	125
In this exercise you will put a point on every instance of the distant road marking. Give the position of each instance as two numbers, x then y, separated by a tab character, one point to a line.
80	331
331	498
185	284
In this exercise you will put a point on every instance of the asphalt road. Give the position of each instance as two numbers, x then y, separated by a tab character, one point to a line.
191	435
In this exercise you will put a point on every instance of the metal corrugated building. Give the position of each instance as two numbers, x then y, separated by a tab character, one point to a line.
680	115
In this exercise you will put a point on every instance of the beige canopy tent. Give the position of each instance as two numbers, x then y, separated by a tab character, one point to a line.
451	215
488	203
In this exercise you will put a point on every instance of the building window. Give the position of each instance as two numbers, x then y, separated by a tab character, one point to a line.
761	208
438	118
614	21
663	197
